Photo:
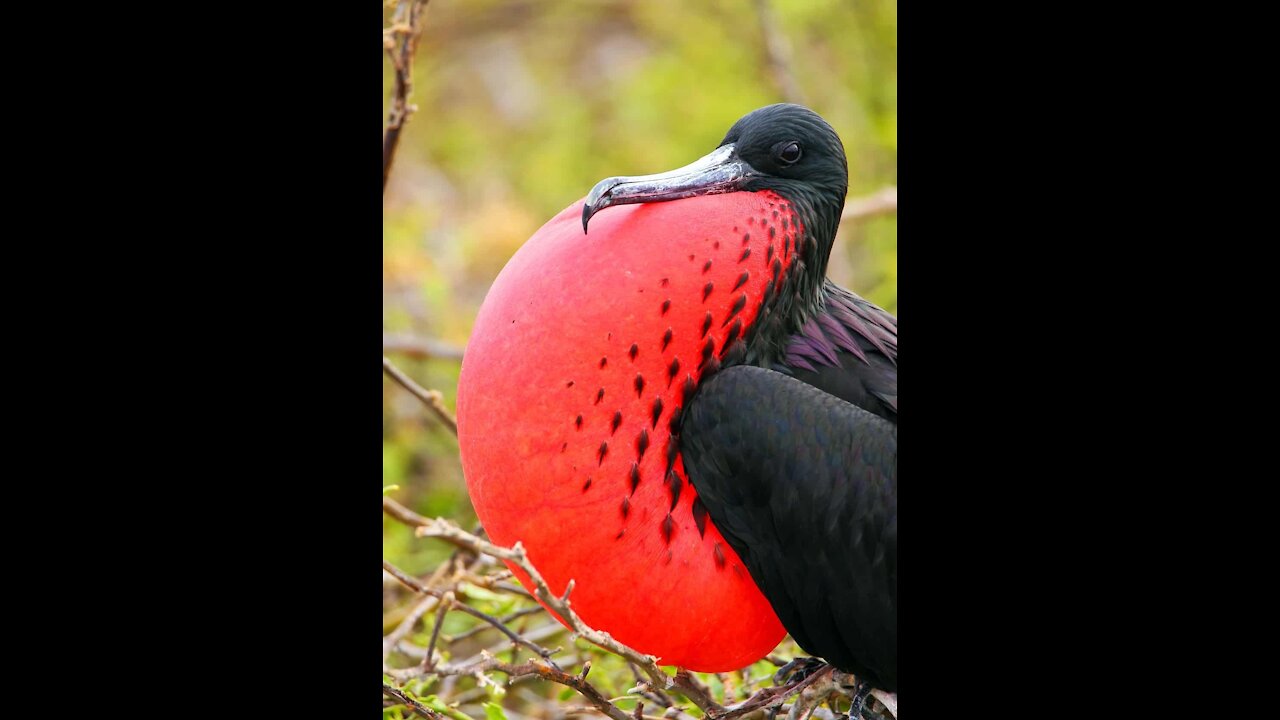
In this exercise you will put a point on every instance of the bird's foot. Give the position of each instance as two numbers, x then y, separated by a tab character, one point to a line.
797	670
839	684
859	700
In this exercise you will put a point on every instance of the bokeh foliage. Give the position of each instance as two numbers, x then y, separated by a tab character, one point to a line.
524	104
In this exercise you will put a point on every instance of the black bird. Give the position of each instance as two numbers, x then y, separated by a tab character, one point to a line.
792	445
698	343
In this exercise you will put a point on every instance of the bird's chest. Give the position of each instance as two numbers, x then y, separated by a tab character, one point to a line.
582	358
588	346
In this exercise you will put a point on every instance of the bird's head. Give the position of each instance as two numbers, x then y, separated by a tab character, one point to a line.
786	148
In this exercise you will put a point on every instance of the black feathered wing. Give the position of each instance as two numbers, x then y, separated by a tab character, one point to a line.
802	485
848	348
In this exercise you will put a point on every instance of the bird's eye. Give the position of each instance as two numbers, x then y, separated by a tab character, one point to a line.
790	153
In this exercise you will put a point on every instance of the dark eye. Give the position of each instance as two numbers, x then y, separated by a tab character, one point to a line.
790	153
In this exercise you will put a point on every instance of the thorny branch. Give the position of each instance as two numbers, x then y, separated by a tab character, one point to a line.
400	41
432	398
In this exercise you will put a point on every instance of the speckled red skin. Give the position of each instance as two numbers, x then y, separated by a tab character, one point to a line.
556	329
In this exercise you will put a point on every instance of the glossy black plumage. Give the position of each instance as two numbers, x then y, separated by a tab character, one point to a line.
802	485
849	349
800	474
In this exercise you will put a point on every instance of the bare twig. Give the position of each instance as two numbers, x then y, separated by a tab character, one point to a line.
403	514
431	398
395	636
414	520
511	588
778	53
515	637
400	41
420	348
410	703
647	689
509	618
768	697
403	577
446	598
536	668
429	660
881	202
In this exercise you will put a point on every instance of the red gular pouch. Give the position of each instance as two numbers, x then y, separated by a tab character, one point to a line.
582	357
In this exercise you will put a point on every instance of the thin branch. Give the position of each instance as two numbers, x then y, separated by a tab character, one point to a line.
881	202
420	348
400	42
404	578
509	618
414	520
431	398
405	515
410	703
446	597
586	710
393	638
646	689
515	637
513	589
446	602
768	697
778	54
537	668
538	634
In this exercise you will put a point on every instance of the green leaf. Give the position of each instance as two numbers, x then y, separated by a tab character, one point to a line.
390	488
493	711
435	703
475	592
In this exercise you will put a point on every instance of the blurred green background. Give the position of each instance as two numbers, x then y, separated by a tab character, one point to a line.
523	105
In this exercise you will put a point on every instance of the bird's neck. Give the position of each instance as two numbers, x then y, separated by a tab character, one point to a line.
820	217
803	288
818	204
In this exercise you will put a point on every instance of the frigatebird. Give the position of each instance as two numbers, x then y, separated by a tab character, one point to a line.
674	407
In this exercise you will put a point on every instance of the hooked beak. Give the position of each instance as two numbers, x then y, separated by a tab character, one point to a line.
721	171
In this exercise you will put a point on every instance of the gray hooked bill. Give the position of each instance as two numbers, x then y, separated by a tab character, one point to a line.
720	171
